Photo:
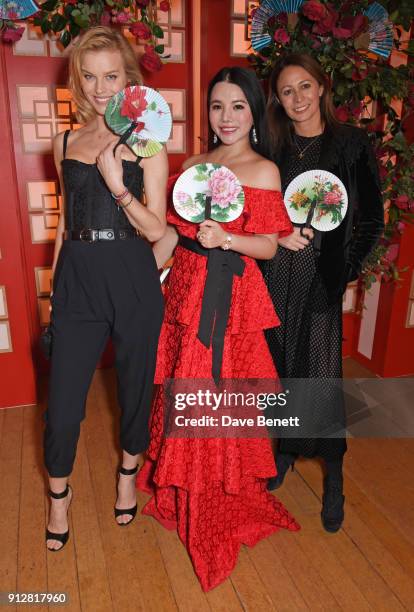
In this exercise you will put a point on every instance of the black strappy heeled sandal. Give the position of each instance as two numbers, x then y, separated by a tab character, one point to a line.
120	511
60	537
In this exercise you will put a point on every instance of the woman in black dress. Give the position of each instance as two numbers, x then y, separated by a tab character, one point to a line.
105	279
309	275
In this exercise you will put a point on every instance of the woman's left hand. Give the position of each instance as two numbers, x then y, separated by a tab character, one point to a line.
211	234
110	166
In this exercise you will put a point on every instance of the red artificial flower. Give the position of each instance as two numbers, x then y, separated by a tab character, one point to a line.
313	10
106	18
164	6
71	1
12	35
283	18
400	227
342	113
133	105
327	23
150	60
356	75
383	172
140	30
357	24
401	202
143	3
341	33
281	36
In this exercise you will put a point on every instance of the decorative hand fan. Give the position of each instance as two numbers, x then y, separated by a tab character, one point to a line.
316	198
208	191
380	30
269	8
142	117
17	9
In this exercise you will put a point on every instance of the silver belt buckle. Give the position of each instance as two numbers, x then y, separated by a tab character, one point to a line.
86	235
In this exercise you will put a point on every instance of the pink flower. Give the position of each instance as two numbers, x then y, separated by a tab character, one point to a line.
122	17
224	187
313	10
400	227
252	12
150	60
392	253
140	30
342	113
401	202
164	6
12	35
281	36
143	3
332	198
182	197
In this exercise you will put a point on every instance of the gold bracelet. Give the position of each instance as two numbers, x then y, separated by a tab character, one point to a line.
126	205
227	243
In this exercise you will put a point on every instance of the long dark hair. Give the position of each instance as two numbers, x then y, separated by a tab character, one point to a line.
281	126
252	89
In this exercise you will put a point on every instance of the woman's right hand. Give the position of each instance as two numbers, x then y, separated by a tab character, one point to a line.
295	241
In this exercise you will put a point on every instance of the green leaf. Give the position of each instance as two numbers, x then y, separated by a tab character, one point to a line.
152	106
49	5
159	49
58	22
74	29
45	26
65	38
157	31
82	21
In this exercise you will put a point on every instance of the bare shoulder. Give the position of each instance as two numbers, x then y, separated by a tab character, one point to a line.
158	163
266	174
195	159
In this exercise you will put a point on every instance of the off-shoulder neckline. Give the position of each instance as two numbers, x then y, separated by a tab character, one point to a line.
244	186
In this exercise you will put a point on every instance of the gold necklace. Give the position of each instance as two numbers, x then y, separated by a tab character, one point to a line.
301	152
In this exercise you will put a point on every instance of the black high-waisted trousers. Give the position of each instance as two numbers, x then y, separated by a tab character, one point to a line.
102	289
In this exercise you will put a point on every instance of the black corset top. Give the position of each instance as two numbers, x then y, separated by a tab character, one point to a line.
89	203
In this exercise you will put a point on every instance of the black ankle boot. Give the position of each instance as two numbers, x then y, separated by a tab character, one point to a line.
283	461
332	514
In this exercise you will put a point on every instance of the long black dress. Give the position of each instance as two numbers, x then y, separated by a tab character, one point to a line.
307	285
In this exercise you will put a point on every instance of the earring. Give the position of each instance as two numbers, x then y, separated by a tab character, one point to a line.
215	139
254	136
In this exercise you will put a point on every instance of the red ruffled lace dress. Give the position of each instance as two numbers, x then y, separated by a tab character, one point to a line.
213	491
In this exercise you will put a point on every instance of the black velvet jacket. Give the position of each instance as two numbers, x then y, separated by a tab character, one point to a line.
347	153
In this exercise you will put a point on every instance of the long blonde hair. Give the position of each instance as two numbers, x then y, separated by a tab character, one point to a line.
97	39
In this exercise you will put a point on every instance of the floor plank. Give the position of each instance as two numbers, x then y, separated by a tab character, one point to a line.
10	491
369	564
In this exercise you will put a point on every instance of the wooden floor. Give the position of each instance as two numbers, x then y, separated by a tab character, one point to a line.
368	565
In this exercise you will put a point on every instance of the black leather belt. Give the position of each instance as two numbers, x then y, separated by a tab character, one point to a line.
215	308
94	235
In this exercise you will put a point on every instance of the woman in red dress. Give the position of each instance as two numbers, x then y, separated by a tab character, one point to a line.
213	490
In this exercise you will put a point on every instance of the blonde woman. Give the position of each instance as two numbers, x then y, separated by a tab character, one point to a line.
105	277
